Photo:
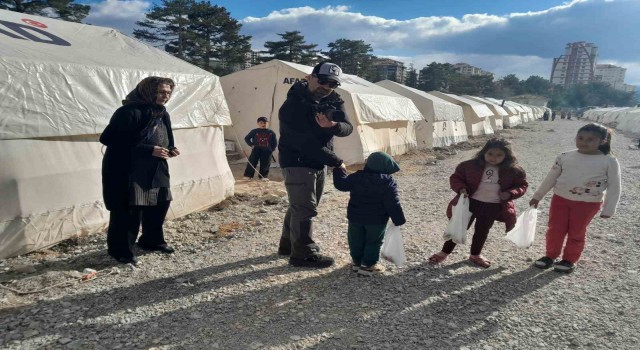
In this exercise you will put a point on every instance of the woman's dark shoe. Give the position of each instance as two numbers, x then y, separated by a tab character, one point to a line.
162	248
128	260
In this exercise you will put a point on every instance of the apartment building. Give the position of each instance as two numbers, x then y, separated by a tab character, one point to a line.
467	69
576	66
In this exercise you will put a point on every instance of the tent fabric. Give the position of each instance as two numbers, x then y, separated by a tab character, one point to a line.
53	103
476	115
524	115
382	120
65	79
497	110
623	118
513	118
443	123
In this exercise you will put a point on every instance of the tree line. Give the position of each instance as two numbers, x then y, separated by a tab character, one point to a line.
207	36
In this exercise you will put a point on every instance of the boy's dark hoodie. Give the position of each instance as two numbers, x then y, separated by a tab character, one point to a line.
374	193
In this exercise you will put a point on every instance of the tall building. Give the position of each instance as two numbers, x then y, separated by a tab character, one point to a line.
467	69
576	66
610	74
390	69
614	76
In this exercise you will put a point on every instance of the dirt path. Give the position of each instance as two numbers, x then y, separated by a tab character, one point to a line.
226	289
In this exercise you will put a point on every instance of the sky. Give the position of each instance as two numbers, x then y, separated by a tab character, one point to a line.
502	36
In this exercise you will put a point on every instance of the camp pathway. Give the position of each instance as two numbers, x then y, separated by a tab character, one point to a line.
226	289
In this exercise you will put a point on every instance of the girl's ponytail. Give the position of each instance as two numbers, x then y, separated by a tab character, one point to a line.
604	133
606	146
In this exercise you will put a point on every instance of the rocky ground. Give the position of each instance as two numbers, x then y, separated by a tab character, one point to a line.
226	289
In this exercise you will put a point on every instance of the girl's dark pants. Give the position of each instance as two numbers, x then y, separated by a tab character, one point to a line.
485	214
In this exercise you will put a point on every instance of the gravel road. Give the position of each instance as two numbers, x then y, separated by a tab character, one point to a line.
226	289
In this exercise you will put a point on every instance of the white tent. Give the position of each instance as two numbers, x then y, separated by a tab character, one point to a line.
513	118
476	115
60	84
498	112
629	120
524	113
443	122
382	120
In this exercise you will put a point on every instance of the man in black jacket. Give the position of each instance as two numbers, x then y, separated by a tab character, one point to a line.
310	117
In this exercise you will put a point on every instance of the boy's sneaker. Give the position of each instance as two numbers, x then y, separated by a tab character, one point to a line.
543	263
564	266
355	267
264	179
315	260
246	178
371	270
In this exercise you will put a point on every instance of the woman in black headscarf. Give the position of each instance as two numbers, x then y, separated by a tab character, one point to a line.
135	173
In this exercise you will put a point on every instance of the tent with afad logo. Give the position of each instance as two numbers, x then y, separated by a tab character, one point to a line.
60	83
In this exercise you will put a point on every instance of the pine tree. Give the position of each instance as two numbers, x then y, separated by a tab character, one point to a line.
65	10
292	48
353	56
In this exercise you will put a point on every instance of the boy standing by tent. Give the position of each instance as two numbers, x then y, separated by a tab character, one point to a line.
263	142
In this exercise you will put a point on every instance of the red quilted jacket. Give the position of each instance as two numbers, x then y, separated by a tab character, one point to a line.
468	175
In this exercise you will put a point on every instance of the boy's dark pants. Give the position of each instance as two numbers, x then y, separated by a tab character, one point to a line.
263	155
485	214
365	242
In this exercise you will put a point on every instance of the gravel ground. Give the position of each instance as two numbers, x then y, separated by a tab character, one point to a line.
226	289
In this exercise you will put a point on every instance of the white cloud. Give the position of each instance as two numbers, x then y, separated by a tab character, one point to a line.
520	43
550	10
118	14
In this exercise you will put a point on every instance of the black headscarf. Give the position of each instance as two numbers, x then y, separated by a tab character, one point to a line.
146	90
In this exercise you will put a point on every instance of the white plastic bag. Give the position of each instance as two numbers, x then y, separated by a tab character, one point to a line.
524	232
457	228
393	246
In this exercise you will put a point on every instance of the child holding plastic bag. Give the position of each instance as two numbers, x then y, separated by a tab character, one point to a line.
373	200
580	179
491	181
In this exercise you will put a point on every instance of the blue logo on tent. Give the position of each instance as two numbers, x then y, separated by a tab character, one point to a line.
26	32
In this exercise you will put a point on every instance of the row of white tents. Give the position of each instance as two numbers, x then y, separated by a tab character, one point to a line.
60	83
387	116
623	118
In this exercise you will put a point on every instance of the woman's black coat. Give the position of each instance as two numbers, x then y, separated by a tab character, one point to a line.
124	140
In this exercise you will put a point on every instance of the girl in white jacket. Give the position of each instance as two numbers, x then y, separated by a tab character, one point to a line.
581	179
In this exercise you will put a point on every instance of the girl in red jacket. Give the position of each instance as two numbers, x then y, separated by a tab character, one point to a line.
492	179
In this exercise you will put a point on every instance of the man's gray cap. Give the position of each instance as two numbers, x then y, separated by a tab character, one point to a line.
328	70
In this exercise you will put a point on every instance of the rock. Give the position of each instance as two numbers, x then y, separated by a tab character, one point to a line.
24	269
64	341
181	280
295	337
81	345
30	333
270	199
